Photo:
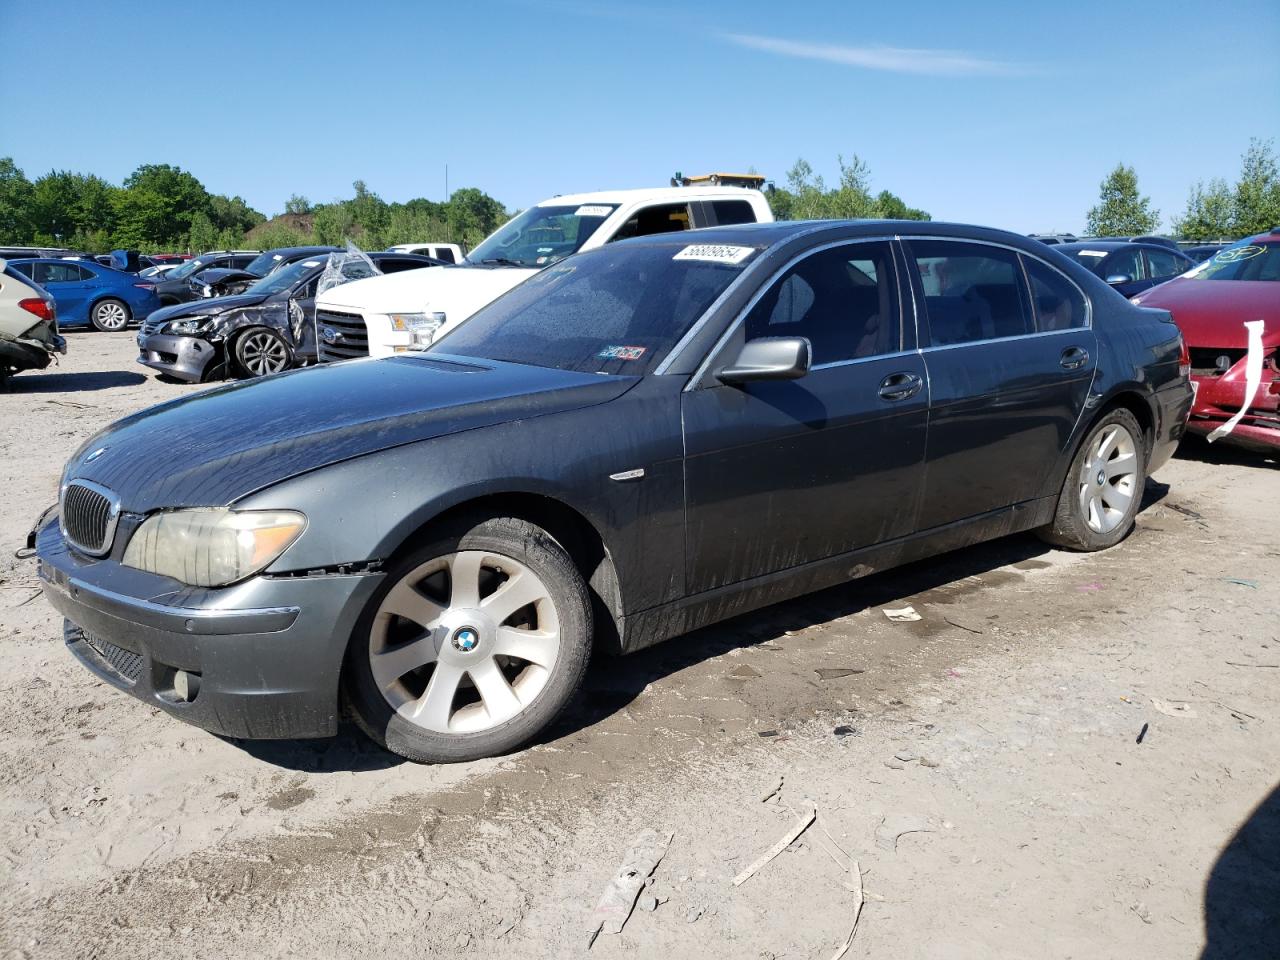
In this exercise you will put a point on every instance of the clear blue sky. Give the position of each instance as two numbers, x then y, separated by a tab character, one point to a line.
1007	114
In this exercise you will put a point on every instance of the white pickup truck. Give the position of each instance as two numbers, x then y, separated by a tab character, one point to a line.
390	314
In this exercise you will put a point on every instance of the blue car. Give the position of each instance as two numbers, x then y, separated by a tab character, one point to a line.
87	292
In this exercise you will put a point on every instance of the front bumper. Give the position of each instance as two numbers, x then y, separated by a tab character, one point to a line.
266	655
186	358
1219	397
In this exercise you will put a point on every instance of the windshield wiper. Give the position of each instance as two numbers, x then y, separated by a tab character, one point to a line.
503	261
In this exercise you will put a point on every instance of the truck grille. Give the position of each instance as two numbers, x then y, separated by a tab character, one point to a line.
341	336
89	515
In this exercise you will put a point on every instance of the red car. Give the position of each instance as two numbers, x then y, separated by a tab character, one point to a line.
1211	305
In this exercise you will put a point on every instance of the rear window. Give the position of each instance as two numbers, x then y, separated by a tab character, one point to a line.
619	309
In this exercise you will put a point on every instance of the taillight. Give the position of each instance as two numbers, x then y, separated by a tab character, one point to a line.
1184	358
38	307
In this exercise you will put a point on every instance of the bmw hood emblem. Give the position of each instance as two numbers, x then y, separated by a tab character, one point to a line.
95	455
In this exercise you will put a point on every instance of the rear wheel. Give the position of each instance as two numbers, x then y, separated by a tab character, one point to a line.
1103	488
260	352
110	315
472	646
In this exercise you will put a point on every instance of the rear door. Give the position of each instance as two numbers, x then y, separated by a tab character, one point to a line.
1010	358
782	473
69	285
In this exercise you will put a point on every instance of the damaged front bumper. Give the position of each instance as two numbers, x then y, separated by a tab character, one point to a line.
1219	395
185	358
258	660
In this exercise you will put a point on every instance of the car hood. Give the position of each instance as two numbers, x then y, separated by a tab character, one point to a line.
457	292
216	447
1212	313
205	308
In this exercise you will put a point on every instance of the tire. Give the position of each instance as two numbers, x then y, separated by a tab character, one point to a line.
1103	486
110	315
260	352
469	699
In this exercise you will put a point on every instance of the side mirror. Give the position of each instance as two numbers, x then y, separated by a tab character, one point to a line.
1119	278
770	358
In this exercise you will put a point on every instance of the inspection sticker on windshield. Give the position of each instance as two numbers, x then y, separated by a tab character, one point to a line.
593	210
621	353
714	253
1093	253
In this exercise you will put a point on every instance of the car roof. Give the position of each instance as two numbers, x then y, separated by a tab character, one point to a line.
1110	246
653	193
300	251
770	234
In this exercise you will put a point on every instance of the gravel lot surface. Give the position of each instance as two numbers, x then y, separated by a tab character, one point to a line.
1079	752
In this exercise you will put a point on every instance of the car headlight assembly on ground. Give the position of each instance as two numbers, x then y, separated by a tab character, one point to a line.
212	547
190	326
422	326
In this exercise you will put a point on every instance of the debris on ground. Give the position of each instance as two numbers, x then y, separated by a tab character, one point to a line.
777	789
905	614
835	673
787	839
1240	581
844	730
619	897
693	913
1142	734
859	899
962	626
897	825
744	672
1173	709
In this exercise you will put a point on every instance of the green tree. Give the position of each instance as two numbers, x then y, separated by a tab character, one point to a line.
297	204
203	235
1121	210
15	203
1257	193
279	235
233	213
157	205
54	198
472	215
333	224
1210	213
806	196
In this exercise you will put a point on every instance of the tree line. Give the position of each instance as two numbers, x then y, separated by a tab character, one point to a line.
1215	210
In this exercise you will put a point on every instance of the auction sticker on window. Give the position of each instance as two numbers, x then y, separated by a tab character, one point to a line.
621	353
714	253
593	210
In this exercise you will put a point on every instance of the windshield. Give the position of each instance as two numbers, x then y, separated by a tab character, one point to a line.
619	309
1246	260
188	268
264	263
285	277
542	235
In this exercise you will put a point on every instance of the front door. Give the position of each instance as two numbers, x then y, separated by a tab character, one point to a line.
782	473
1009	371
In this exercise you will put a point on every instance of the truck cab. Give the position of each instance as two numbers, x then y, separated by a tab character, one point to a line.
391	314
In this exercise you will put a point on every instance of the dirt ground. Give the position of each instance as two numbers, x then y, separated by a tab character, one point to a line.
1079	752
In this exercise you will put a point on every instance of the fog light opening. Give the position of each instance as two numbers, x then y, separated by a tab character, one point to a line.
185	686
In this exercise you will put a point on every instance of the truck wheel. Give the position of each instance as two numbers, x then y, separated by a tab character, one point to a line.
260	351
472	646
1103	486
110	315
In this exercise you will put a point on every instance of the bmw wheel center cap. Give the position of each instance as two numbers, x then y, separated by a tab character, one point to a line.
465	639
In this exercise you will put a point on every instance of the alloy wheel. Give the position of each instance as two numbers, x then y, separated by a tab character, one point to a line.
263	353
1109	479
110	316
464	642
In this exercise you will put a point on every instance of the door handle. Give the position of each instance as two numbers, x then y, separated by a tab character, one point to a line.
900	386
1073	358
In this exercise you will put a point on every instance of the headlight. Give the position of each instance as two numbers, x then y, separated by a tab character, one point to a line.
190	325
212	547
423	326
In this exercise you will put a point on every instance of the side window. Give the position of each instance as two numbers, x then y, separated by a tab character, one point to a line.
1125	263
26	269
732	211
1164	263
83	273
1057	303
665	218
444	253
56	273
238	263
971	291
843	299
395	266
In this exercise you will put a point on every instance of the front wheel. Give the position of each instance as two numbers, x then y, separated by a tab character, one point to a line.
110	315
260	352
1103	487
473	644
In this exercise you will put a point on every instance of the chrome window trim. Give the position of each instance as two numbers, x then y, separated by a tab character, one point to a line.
764	287
1088	303
1021	336
707	314
874	356
113	516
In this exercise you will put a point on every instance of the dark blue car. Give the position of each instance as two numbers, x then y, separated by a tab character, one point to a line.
87	292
